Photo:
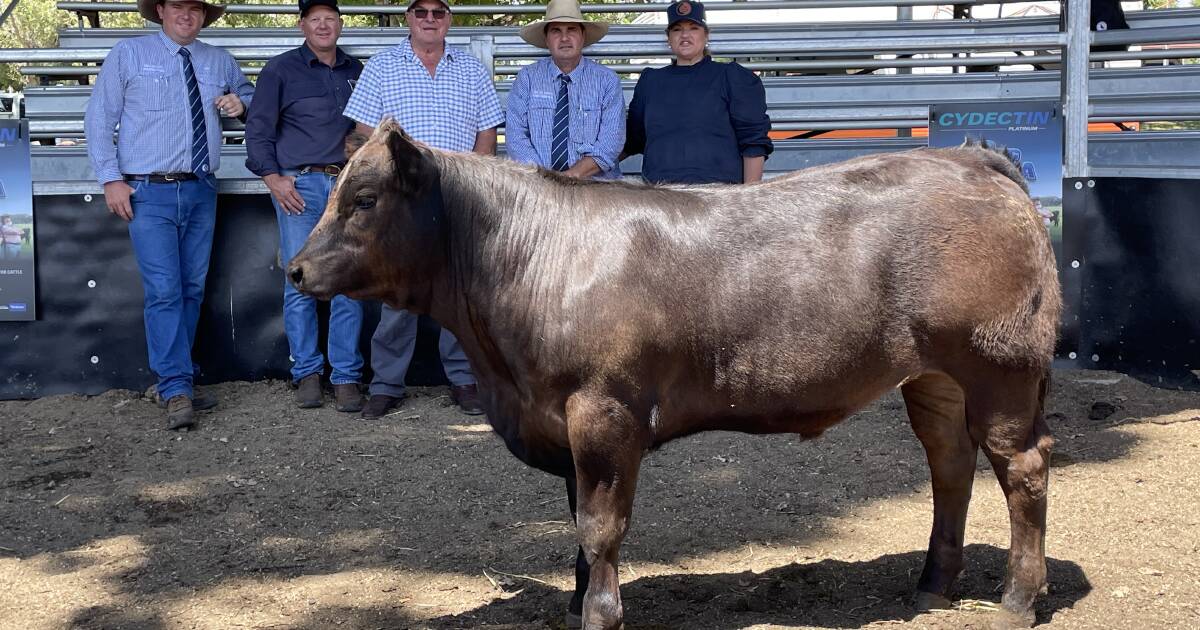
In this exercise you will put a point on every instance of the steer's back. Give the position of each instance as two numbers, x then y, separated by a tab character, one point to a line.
814	292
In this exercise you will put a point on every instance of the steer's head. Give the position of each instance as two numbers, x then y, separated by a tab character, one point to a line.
381	234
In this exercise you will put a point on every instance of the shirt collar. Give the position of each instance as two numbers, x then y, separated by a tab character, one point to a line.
552	70
174	46
405	49
310	58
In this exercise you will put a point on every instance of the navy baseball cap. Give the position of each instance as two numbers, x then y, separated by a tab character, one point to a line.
686	10
305	5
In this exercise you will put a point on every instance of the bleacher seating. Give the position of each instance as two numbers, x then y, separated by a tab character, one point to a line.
830	101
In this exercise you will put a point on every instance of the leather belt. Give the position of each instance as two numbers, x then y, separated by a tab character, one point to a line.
162	178
332	170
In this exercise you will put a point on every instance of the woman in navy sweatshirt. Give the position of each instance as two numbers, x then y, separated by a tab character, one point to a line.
698	121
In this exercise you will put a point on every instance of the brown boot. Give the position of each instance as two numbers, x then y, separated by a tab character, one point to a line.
308	392
467	399
348	397
179	413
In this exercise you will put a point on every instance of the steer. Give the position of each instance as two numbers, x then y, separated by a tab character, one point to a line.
604	319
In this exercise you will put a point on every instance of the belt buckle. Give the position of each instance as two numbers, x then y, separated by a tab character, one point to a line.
168	177
333	170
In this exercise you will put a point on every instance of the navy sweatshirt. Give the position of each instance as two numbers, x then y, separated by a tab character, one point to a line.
693	124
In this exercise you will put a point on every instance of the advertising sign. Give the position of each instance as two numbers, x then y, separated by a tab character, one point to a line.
1032	133
17	285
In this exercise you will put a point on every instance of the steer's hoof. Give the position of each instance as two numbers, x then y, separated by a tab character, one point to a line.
926	602
1004	619
573	621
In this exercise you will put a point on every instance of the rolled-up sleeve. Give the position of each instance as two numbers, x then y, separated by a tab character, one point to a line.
748	112
611	139
102	115
262	124
517	141
238	82
365	104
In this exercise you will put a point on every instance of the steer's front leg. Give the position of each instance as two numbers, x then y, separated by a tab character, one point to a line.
607	444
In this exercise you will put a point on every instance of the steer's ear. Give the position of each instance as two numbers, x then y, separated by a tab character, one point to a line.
354	142
413	170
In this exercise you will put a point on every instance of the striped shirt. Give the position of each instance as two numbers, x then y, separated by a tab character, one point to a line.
141	88
596	115
445	111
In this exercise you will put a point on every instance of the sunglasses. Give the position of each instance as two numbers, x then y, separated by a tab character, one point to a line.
421	14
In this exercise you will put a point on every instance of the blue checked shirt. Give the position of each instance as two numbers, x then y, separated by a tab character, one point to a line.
445	111
596	115
141	88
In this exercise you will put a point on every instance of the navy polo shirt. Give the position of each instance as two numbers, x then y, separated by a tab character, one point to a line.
296	116
694	124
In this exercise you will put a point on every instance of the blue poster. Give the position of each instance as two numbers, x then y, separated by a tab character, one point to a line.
1032	133
17	287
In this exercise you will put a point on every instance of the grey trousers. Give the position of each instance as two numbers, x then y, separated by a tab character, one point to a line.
392	350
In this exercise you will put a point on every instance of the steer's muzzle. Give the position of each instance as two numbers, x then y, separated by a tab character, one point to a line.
299	273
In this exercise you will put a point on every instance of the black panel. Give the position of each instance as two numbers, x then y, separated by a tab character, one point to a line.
240	336
1132	303
1140	290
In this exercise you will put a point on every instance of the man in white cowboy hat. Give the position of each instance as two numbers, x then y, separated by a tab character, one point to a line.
164	95
566	113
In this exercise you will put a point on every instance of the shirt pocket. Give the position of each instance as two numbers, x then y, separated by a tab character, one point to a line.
149	90
302	92
541	116
586	127
212	85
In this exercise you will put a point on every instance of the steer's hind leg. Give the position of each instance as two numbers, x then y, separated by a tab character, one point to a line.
607	445
1004	413
575	608
936	411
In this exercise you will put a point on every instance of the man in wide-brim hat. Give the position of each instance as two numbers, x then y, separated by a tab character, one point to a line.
566	113
161	97
150	10
564	12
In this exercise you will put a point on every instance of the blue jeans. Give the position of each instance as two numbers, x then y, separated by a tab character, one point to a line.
172	232
299	310
12	250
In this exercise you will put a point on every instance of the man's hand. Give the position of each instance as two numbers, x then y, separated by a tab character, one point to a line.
230	105
583	169
283	188
116	197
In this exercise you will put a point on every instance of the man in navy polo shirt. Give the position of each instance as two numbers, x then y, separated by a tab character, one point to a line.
295	135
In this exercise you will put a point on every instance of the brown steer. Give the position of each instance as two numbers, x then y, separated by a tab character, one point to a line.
605	319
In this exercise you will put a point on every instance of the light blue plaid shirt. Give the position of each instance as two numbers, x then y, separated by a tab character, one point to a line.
445	111
141	88
596	115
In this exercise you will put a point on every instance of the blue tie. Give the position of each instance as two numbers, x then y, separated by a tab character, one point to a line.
562	127
199	132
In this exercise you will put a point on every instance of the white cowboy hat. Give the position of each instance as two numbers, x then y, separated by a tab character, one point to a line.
148	9
563	11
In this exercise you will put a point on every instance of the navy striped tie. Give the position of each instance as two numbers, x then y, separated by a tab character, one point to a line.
562	127
199	131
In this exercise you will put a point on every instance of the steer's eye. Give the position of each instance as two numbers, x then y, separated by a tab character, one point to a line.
364	202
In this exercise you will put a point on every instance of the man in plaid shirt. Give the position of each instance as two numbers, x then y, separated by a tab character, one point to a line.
444	97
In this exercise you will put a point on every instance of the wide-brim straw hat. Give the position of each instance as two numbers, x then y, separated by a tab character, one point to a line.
149	11
563	11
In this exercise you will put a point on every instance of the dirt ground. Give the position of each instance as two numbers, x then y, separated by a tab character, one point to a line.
272	517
